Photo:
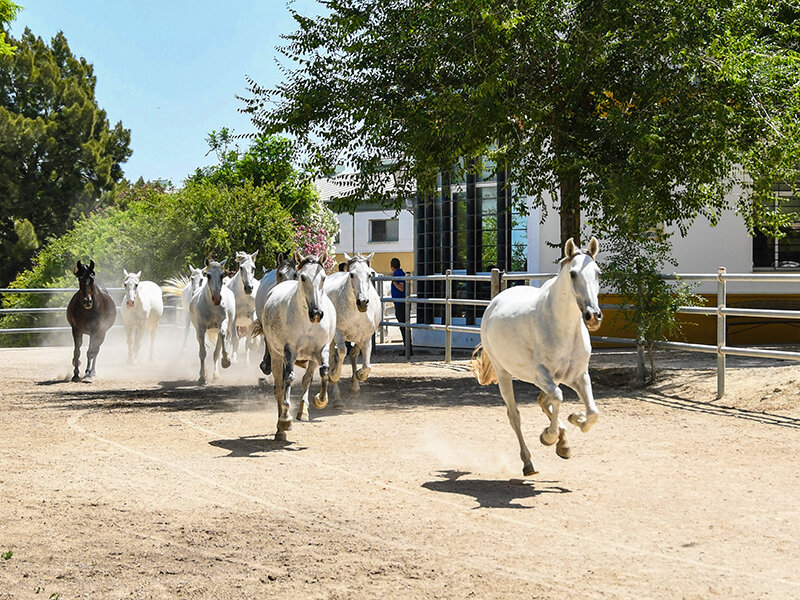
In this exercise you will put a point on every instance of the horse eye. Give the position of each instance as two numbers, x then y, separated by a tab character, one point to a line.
351	275
303	278
573	274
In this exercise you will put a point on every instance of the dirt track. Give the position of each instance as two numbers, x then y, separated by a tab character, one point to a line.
142	485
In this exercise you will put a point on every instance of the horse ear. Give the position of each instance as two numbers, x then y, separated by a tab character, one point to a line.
208	262
91	265
594	246
124	272
347	257
298	258
76	268
191	268
569	248
222	264
254	254
139	275
279	258
369	256
324	258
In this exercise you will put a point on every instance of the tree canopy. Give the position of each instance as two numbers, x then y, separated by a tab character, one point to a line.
8	11
636	114
58	151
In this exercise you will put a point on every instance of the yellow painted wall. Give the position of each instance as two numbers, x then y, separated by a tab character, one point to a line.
701	329
380	262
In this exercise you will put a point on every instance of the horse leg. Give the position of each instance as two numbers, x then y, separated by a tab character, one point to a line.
507	392
321	399
227	336
201	340
355	350
129	335
266	362
284	397
153	332
77	339
234	344
217	351
137	340
302	410
339	348
562	447
187	326
585	420
366	366
91	356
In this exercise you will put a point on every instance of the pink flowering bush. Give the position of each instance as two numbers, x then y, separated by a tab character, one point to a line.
315	233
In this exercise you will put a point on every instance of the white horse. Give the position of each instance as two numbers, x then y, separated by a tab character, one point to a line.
141	309
358	314
184	288
299	323
286	271
541	335
243	285
212	310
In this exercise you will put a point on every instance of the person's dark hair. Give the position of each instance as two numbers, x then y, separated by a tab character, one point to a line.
395	263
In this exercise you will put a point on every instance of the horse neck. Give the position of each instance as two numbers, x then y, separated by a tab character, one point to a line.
559	302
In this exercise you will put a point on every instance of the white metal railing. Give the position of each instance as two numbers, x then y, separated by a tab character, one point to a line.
52	310
499	281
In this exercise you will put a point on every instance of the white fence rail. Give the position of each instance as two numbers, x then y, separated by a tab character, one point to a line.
499	281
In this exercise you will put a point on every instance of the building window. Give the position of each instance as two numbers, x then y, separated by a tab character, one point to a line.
780	253
384	230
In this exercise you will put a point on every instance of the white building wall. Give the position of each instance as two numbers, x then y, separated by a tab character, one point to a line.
702	250
354	232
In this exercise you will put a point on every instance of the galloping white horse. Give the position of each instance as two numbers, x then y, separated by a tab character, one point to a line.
286	271
358	313
141	309
185	287
299	323
541	335
212	310
243	285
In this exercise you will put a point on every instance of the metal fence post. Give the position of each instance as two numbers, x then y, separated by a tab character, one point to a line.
721	330
448	316
382	328
495	282
407	338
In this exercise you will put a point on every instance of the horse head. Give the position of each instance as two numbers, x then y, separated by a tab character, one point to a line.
85	275
195	278
131	284
359	273
286	268
247	270
312	278
585	279
215	272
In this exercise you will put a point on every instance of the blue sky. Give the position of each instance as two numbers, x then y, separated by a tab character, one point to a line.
169	70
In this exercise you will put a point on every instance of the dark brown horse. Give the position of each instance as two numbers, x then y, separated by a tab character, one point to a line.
91	311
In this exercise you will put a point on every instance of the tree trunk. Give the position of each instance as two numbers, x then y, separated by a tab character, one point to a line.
570	212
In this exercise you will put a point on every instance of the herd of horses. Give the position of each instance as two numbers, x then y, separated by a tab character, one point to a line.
304	317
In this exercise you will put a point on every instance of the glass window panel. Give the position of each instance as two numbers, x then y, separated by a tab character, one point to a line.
384	230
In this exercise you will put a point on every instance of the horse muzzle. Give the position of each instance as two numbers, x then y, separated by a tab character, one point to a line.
216	300
362	305
248	289
87	303
131	303
315	315
593	319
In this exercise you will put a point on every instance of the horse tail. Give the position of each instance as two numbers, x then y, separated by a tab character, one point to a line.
481	366
255	329
174	286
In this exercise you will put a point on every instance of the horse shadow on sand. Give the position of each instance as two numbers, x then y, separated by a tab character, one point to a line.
253	446
174	395
493	493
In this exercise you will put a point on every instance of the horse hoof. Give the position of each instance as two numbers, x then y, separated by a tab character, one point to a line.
285	425
563	451
363	373
201	381
75	379
280	436
226	362
528	470
354	390
266	369
87	379
319	403
548	439
301	416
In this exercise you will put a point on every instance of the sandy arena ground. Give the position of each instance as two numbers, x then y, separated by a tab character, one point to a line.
143	485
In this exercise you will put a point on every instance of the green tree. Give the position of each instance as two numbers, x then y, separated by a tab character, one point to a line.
8	12
58	152
587	101
268	160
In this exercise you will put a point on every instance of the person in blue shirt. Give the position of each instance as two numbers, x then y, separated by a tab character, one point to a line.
399	291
